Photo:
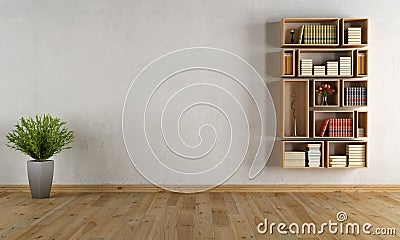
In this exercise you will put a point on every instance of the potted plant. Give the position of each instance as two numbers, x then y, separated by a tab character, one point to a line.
40	138
324	91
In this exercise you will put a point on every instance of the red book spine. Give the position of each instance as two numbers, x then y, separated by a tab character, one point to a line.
330	127
323	128
334	130
346	127
351	127
340	127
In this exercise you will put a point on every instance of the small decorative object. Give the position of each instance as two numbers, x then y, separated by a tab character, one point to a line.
324	91
292	107
40	138
292	33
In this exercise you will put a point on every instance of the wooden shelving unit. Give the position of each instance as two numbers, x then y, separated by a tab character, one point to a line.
347	107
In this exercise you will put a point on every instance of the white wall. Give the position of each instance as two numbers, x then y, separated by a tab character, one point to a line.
76	60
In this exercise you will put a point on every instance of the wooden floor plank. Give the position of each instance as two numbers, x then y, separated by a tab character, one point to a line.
207	215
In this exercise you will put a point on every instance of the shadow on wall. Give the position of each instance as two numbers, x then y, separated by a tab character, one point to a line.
272	68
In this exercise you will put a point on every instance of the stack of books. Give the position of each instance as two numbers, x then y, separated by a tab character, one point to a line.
356	155
355	96
318	34
332	68
319	70
354	35
345	66
306	67
361	132
313	154
337	161
295	159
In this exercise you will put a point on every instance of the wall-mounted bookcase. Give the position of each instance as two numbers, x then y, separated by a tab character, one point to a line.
334	53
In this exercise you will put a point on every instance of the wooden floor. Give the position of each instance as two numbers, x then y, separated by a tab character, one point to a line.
206	215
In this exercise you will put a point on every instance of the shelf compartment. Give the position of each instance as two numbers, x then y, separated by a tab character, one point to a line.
345	23
321	57
362	124
354	93
294	103
361	65
288	63
333	100
338	148
288	24
300	147
335	129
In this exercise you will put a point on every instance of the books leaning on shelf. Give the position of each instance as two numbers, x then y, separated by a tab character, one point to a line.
324	127
355	96
356	155
295	159
340	127
306	66
354	35
345	66
288	63
337	161
313	151
318	34
319	70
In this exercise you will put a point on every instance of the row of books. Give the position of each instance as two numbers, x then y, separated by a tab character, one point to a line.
318	34
356	155
337	127
288	63
342	67
355	96
313	151
354	35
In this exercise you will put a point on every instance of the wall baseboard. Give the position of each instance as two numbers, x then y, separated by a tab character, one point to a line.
222	188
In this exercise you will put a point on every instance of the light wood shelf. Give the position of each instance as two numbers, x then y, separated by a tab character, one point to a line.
288	66
338	148
354	83
321	57
345	23
295	24
319	116
333	100
361	63
294	101
362	122
300	146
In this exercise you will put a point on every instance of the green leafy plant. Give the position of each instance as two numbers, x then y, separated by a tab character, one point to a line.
40	138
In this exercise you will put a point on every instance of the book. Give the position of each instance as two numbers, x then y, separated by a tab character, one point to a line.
301	34
295	155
